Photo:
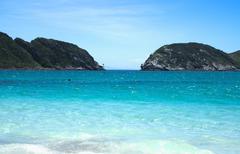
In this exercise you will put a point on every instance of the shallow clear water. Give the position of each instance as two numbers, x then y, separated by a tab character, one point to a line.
119	112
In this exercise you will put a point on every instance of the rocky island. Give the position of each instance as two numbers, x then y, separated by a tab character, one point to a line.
192	57
42	53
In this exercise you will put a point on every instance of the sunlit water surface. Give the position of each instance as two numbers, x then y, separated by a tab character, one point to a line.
119	112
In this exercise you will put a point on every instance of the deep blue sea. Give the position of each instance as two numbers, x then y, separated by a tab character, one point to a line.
119	112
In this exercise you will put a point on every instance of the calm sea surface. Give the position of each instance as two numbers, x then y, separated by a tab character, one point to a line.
119	112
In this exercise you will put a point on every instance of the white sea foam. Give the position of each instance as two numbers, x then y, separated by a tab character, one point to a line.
25	149
101	147
32	149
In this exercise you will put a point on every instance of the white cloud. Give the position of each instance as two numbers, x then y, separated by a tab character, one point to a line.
114	22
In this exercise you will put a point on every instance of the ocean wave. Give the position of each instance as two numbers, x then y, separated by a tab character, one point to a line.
105	147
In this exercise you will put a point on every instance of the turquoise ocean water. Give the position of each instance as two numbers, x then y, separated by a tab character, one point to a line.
119	112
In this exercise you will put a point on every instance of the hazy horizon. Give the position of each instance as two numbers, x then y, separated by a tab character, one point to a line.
122	34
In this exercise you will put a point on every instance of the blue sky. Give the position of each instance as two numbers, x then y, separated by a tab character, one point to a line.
122	33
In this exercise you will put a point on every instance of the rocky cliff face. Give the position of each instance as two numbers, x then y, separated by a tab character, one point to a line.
189	56
44	53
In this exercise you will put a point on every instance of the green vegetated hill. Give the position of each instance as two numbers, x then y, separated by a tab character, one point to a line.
43	53
191	56
14	56
235	56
